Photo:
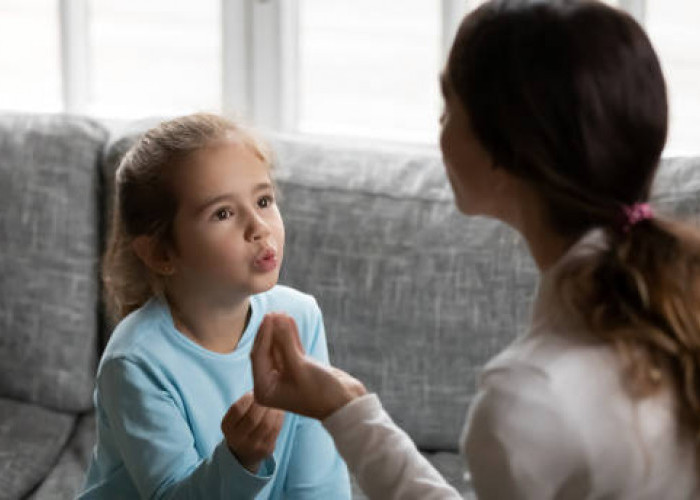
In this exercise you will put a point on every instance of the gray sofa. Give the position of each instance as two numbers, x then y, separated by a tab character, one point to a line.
415	297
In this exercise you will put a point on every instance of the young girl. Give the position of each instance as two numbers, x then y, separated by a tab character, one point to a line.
191	269
555	119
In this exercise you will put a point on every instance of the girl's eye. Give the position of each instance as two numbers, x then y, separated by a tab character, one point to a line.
223	214
265	201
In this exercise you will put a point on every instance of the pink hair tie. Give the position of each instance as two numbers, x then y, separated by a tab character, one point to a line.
635	214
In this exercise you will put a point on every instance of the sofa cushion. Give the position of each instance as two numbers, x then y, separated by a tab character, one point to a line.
449	464
676	190
31	439
49	254
67	477
416	297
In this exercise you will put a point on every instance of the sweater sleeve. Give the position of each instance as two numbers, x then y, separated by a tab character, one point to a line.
519	443
384	460
157	446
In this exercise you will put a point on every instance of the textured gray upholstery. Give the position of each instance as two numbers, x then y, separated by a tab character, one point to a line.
31	440
49	223
416	298
68	475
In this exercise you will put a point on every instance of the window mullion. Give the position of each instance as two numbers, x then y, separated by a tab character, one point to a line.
274	68
452	12
75	62
236	52
637	8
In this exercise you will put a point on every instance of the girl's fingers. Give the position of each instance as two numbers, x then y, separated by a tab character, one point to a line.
248	422
236	412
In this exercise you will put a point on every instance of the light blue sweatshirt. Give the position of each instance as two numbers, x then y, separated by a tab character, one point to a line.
160	398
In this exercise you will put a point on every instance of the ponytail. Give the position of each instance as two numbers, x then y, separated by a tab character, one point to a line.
642	295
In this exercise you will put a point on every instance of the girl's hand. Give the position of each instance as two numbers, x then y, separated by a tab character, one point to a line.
288	379
251	431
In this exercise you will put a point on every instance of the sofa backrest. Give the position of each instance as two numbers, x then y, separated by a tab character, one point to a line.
416	297
49	257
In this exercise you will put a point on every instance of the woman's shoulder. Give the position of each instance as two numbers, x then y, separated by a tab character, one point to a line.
559	357
564	378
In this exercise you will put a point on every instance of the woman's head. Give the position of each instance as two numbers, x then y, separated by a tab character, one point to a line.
567	96
194	206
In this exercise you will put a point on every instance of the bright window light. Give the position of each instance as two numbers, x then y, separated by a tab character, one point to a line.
369	68
29	56
158	57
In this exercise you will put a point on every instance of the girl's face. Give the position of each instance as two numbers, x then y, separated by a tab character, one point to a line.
229	234
470	169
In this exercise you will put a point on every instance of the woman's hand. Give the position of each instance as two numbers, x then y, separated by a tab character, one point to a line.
288	379
251	431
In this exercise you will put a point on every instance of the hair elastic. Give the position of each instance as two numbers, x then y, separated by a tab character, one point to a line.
636	213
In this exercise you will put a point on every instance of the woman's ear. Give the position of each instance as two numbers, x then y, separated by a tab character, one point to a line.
153	255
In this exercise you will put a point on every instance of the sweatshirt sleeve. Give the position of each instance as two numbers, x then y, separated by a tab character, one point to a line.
519	444
157	445
384	460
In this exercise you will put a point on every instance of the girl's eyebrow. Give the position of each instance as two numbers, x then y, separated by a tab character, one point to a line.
263	186
214	201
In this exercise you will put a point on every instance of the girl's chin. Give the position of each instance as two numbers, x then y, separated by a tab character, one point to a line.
265	283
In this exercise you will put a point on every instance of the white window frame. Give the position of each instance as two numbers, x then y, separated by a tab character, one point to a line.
73	18
259	56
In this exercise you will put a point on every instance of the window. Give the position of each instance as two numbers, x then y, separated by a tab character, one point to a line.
30	55
361	68
157	57
673	28
369	68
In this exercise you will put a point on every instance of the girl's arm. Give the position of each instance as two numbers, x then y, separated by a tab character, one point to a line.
157	446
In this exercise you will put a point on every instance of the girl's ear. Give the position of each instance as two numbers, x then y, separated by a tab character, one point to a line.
153	255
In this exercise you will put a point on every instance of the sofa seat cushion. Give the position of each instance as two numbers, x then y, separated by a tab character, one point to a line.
68	475
49	258
449	464
453	468
31	440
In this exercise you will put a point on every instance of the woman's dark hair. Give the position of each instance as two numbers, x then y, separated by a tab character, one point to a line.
145	201
569	96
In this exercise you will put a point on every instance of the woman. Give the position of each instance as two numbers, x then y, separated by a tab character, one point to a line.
555	119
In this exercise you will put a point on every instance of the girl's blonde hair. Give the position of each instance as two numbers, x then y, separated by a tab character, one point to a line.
145	202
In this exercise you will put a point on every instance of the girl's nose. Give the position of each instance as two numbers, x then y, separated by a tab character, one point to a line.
257	229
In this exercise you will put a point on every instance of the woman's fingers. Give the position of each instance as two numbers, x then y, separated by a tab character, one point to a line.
286	342
294	332
265	373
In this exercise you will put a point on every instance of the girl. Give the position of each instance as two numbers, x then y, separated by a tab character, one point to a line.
555	119
191	269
